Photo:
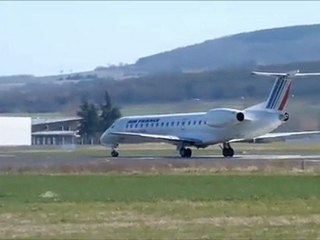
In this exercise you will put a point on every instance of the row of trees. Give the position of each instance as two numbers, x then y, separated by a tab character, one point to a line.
96	118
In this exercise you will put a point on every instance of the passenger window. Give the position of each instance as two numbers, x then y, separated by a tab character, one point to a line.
136	126
189	122
141	125
157	124
200	122
151	124
194	122
147	124
178	123
167	124
172	123
182	123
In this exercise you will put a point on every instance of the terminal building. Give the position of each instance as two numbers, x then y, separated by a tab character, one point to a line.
61	131
26	131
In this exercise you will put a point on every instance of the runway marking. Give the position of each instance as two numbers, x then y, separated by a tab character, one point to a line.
315	158
6	155
280	157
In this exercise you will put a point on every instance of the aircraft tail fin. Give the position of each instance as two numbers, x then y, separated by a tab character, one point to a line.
279	95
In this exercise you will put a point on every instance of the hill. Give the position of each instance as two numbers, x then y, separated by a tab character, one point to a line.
264	47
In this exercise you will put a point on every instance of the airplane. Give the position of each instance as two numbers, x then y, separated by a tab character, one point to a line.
216	126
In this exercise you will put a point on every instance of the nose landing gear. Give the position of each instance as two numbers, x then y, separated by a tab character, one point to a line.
114	152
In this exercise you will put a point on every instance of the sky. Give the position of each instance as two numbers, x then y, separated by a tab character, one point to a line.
50	37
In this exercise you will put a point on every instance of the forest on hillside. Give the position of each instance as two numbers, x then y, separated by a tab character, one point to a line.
156	88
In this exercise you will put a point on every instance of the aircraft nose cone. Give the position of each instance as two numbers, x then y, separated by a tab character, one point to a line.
103	137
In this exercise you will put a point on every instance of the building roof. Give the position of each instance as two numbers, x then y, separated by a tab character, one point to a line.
56	133
38	121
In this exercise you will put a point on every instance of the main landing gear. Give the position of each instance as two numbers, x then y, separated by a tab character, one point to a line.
227	150
185	152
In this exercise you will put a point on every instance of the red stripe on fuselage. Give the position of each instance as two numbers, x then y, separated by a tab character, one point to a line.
285	99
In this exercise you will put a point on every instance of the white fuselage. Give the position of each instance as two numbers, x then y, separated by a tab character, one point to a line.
200	125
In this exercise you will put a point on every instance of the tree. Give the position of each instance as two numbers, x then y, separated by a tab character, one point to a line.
89	124
109	113
93	124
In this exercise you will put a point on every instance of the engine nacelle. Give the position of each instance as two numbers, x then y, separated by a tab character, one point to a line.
284	117
222	117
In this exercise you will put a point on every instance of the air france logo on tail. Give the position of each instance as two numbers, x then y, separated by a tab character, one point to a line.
279	95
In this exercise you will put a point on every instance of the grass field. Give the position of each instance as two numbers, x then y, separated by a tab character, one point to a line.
162	206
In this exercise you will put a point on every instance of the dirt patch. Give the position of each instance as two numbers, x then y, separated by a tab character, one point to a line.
17	226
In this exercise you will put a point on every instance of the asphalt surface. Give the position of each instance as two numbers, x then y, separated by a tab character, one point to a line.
84	163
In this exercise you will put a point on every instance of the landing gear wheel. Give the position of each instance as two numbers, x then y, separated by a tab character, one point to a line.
185	152
227	150
114	153
188	152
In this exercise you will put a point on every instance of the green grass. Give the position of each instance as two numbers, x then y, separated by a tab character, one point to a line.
181	206
150	188
225	205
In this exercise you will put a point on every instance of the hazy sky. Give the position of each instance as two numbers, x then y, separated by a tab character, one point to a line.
44	38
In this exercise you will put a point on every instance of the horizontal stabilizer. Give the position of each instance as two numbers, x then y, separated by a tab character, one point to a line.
295	73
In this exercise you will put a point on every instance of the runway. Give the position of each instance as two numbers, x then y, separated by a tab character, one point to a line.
42	162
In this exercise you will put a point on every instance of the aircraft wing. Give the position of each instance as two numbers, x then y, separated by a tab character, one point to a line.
165	138
278	137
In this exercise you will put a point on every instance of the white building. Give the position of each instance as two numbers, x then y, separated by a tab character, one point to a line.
15	131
